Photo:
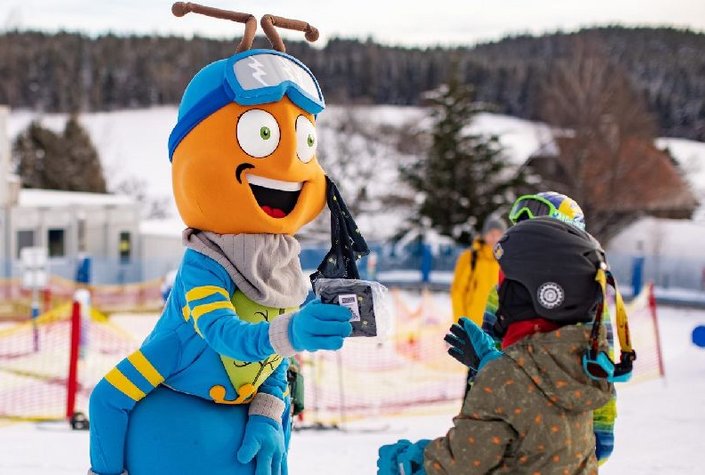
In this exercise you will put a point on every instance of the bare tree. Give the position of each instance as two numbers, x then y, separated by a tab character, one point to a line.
152	207
362	158
604	155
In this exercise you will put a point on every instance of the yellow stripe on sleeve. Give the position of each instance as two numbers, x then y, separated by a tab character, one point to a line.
186	312
205	291
209	307
124	385
145	368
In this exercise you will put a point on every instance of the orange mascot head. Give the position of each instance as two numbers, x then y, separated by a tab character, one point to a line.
243	150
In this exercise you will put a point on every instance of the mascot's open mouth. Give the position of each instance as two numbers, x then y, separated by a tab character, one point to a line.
276	198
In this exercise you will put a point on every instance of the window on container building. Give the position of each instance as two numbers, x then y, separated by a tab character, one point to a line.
57	244
125	246
24	239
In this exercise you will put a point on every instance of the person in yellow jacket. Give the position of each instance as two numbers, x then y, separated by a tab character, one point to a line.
476	273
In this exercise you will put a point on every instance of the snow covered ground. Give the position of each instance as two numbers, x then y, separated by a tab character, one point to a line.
659	429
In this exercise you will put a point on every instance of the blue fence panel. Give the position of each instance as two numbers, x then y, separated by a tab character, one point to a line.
403	263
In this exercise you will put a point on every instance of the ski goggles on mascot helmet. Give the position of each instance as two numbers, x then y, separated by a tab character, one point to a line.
249	78
551	204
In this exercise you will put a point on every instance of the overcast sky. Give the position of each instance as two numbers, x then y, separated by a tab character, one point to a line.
411	22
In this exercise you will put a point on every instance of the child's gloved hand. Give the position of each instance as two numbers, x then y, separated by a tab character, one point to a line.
264	439
320	326
461	347
470	345
402	458
387	463
411	460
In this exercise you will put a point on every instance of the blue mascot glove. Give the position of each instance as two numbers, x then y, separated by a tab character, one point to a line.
264	438
320	326
402	458
471	345
604	444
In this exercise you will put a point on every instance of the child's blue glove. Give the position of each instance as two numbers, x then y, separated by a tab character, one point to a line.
387	459
410	460
320	326
264	438
471	345
402	458
461	347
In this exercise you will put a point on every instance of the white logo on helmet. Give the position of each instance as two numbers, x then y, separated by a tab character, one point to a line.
498	251
550	295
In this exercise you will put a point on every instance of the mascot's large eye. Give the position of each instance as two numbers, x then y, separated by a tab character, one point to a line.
306	141
257	133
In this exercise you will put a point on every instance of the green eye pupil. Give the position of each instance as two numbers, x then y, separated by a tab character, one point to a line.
265	133
310	140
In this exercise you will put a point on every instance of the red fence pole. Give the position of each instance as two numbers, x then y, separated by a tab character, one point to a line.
46	297
654	317
72	382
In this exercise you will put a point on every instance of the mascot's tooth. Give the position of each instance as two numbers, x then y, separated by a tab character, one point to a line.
274	184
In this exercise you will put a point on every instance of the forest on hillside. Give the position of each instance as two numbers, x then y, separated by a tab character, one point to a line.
72	72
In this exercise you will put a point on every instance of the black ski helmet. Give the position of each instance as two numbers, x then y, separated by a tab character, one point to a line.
549	271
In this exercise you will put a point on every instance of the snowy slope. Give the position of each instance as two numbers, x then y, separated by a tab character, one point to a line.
662	237
132	143
691	156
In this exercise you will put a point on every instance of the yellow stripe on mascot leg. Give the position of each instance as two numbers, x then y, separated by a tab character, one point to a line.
207	391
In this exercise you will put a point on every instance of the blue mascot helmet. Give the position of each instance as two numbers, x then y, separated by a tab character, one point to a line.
249	78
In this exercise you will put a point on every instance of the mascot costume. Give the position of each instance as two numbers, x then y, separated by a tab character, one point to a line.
207	391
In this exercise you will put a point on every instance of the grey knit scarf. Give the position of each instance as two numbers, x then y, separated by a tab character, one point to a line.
265	267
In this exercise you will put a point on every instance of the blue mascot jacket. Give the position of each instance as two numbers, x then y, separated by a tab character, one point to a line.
200	347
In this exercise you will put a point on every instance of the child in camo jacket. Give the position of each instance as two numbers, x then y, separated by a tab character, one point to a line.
530	408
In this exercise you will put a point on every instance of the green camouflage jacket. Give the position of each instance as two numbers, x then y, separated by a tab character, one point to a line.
529	412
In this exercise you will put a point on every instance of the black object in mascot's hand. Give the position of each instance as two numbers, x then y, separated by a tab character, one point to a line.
358	296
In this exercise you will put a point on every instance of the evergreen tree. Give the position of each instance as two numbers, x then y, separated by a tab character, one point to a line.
58	162
83	170
30	150
464	177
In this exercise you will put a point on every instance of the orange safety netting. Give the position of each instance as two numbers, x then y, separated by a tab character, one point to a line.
137	297
644	331
34	362
408	369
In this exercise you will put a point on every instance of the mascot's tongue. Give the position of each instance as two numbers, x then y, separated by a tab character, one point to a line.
274	212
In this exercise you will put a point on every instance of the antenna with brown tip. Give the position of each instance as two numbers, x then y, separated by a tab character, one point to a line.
269	22
182	8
